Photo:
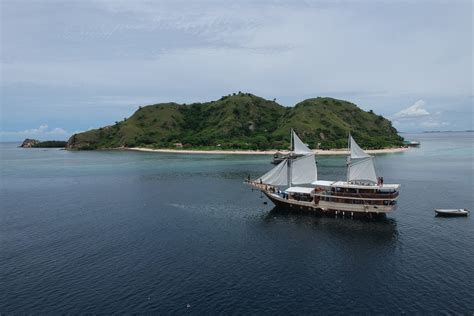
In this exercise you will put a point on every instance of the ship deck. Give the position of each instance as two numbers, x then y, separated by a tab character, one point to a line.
312	207
321	207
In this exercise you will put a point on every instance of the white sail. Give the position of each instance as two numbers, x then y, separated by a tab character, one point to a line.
299	148
356	151
298	171
304	170
362	170
360	164
276	176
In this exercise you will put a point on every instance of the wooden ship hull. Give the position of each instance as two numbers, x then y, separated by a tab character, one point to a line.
316	208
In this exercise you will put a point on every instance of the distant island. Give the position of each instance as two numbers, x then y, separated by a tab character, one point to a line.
242	121
34	143
465	131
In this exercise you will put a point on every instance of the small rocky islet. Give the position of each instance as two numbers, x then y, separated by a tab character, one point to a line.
34	143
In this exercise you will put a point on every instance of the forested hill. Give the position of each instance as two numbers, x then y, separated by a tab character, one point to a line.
243	121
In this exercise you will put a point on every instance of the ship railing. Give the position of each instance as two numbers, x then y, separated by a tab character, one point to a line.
367	195
355	196
362	201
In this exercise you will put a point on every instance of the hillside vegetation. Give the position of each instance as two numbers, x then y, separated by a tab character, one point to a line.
51	144
243	121
34	143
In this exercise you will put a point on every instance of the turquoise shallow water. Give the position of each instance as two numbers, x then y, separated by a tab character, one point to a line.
123	232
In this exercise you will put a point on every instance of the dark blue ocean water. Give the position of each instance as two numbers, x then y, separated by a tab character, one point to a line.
130	232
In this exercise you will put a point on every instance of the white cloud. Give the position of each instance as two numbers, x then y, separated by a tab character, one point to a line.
433	123
42	130
141	52
414	111
302	47
58	131
415	118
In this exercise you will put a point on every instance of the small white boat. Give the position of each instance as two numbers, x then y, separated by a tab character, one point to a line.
451	212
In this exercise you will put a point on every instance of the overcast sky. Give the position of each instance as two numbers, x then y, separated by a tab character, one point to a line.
68	66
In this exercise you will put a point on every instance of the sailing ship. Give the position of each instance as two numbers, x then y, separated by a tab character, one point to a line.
294	184
299	151
411	143
279	157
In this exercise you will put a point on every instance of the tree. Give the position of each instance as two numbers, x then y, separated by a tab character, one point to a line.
261	142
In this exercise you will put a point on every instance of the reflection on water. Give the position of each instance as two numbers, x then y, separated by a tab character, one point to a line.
379	229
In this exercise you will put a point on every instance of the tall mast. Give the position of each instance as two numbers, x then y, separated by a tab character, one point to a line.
348	157
289	158
291	142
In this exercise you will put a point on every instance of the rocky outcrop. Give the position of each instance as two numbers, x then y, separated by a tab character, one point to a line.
34	143
29	143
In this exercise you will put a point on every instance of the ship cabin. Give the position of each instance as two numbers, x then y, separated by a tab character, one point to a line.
358	192
304	194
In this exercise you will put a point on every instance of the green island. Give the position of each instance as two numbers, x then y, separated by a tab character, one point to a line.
51	144
34	143
243	121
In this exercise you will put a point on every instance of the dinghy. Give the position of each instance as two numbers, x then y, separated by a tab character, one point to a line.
452	212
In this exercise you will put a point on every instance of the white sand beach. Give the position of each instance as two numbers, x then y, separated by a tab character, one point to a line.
331	152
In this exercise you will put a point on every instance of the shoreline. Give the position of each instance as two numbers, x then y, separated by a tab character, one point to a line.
331	152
